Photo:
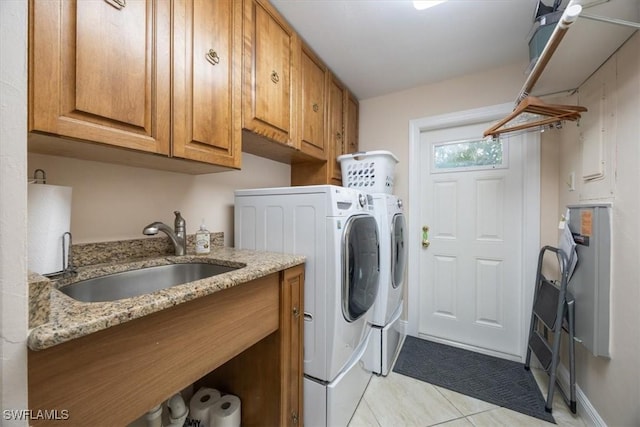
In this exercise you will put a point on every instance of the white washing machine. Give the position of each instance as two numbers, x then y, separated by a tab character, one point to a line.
335	229
387	336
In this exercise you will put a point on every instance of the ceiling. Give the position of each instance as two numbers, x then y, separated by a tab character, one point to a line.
381	46
378	47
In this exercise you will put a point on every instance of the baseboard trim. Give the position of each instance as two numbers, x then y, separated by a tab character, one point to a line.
585	409
403	327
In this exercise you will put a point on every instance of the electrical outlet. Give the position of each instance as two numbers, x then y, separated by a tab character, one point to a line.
571	182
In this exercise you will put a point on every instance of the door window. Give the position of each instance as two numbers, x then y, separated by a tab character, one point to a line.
361	267
476	154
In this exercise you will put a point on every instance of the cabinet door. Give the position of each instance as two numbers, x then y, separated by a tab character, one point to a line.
313	109
207	72
269	73
99	71
336	127
291	329
352	123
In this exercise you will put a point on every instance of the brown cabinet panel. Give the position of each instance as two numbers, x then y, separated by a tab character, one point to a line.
270	64
207	76
313	109
352	123
101	73
342	138
291	330
273	56
114	40
336	127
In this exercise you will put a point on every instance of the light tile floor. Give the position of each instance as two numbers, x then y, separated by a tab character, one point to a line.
397	401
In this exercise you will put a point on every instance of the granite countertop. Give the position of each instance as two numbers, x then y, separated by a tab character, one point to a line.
56	318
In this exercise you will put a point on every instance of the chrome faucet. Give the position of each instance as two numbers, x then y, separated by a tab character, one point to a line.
178	238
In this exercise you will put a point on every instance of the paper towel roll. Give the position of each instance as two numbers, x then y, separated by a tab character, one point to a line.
49	217
226	412
201	403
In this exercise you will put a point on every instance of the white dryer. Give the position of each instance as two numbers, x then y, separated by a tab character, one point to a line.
335	229
386	336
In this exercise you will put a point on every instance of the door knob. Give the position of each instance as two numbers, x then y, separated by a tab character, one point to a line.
425	237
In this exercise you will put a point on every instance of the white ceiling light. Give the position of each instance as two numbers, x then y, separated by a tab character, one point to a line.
421	5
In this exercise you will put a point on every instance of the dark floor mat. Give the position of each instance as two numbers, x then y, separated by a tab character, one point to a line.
501	382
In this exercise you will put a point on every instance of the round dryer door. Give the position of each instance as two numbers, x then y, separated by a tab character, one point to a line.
361	266
398	251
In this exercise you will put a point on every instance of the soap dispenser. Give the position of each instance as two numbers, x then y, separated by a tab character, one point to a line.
203	241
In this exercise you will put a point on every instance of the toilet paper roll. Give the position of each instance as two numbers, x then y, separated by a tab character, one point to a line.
177	408
154	417
201	403
226	412
49	217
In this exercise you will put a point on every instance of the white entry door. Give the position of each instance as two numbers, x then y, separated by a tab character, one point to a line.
471	263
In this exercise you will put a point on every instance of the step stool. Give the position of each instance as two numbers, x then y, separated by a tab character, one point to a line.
553	310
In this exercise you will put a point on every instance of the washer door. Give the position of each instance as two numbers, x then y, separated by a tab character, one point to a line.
398	251
361	266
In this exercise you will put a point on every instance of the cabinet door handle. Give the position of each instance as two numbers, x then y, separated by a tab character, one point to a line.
296	312
338	136
275	77
316	107
118	4
212	56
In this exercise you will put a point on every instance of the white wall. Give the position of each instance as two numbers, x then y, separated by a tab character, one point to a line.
549	181
114	202
613	386
13	208
384	121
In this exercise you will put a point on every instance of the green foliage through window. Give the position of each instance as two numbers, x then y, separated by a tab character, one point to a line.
468	154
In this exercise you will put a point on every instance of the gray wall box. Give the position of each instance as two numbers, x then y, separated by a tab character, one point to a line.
591	229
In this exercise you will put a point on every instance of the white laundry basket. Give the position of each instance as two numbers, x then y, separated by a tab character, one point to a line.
369	171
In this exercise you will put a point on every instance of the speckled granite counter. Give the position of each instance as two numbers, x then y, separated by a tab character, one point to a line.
56	318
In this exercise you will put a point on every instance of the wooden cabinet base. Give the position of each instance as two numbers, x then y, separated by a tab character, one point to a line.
114	376
277	359
312	173
57	146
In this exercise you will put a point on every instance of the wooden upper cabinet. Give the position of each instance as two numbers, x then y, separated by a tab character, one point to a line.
207	81
181	78
270	78
352	123
337	129
313	110
341	138
100	71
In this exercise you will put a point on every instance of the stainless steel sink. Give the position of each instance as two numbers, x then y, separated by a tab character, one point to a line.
142	281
